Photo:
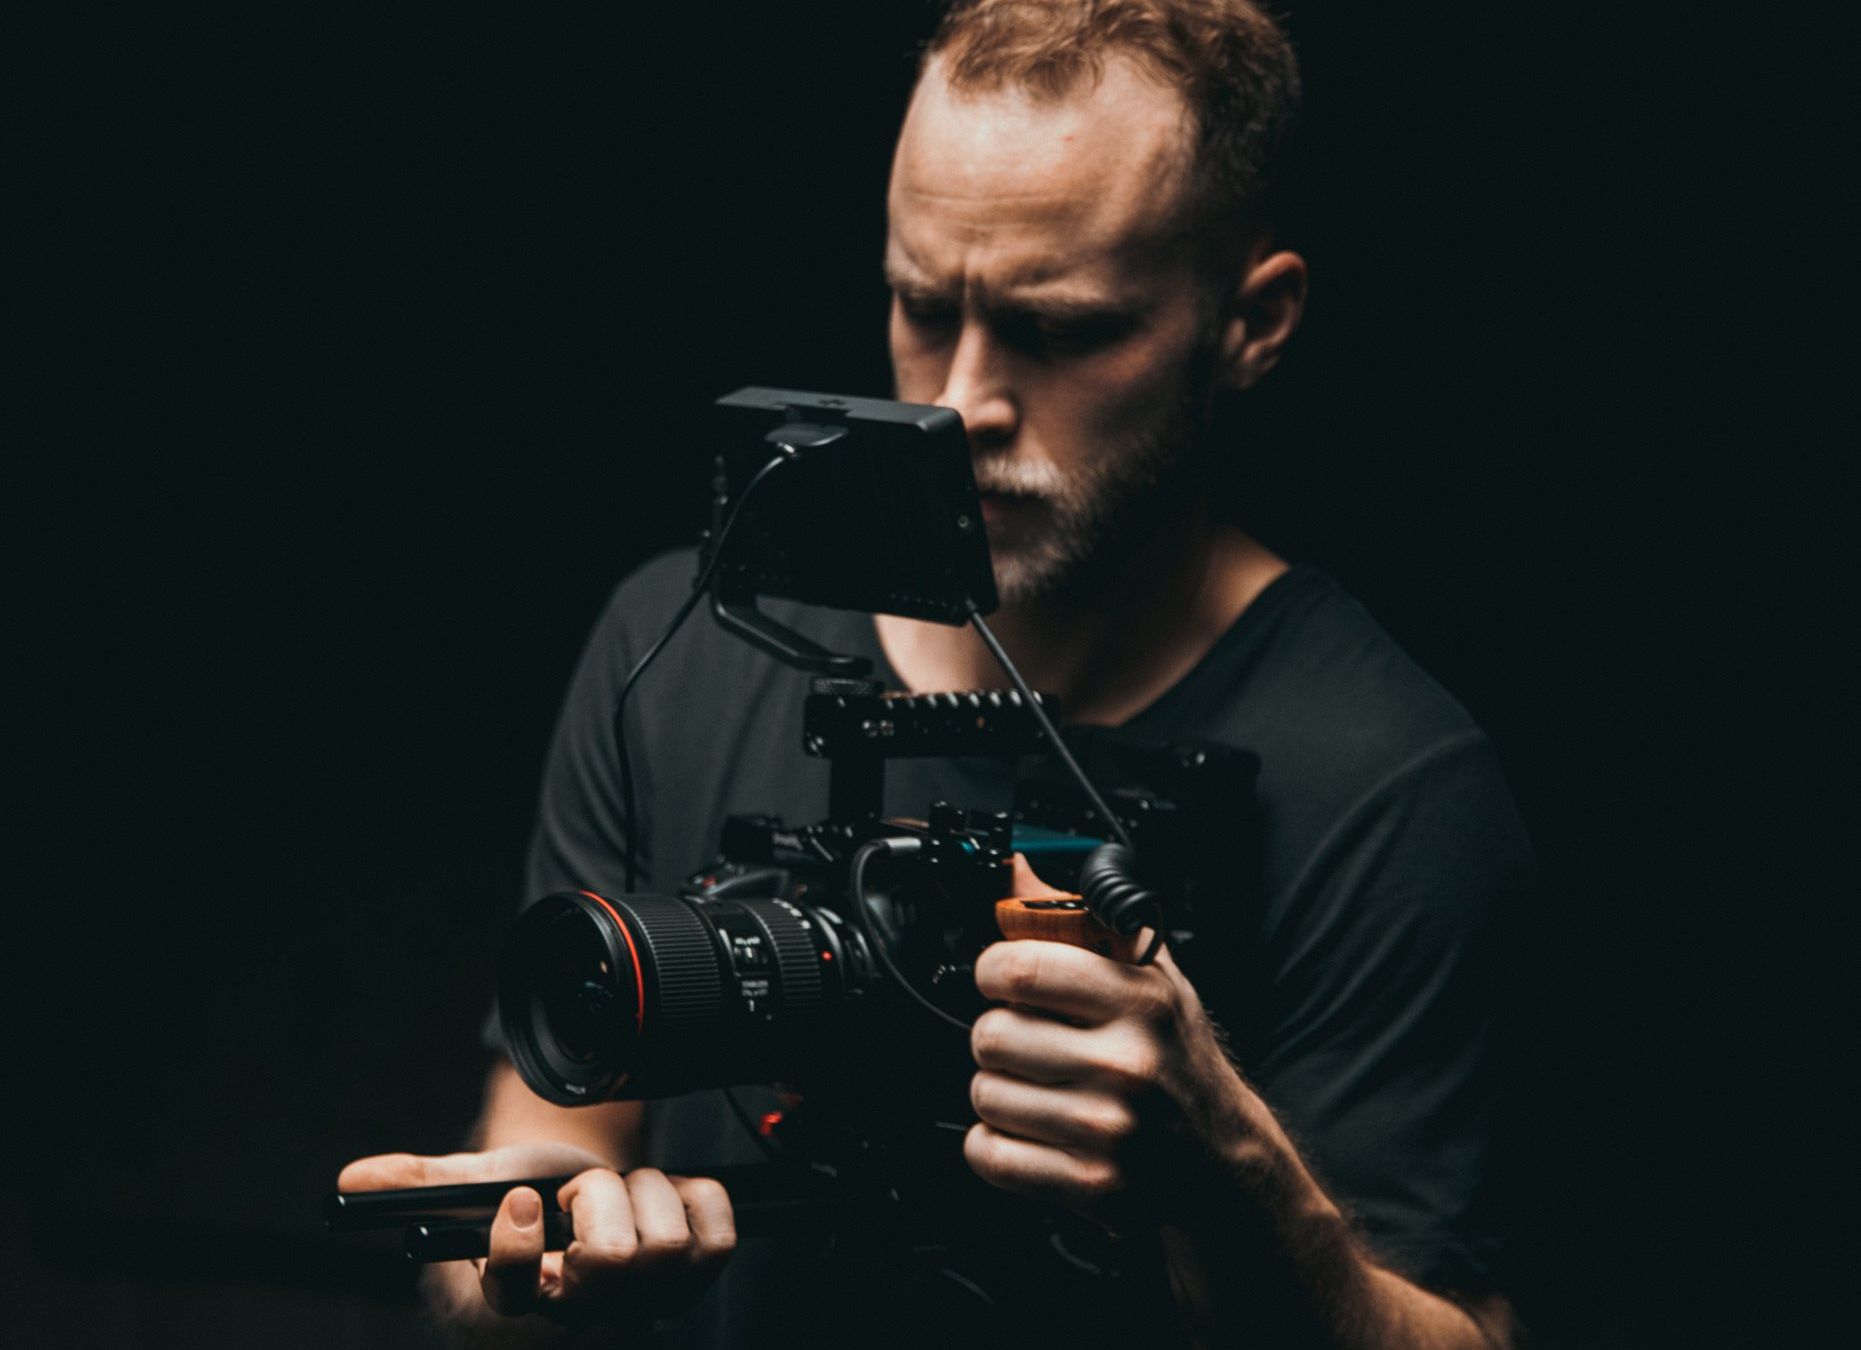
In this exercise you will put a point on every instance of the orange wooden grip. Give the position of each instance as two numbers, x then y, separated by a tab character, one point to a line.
1058	917
1050	915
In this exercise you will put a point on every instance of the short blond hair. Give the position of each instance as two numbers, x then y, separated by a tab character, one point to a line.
1229	59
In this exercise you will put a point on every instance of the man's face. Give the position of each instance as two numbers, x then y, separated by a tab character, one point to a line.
1042	288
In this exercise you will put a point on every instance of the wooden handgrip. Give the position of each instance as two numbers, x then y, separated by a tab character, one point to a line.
1058	917
1050	915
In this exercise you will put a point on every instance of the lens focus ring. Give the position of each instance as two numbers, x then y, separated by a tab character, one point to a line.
684	975
796	953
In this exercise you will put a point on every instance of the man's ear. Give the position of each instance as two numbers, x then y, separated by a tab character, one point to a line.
1268	302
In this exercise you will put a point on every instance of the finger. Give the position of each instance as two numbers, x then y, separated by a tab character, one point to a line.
709	1215
1070	981
549	1276
516	1253
548	1271
658	1217
1041	1050
1026	883
1092	1123
606	1242
1041	1170
393	1171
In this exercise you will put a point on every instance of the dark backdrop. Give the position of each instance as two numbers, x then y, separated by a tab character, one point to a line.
373	353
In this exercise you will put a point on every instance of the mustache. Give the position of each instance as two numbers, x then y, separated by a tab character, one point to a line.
1019	478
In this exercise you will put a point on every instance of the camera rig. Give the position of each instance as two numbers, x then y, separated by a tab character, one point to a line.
823	955
782	963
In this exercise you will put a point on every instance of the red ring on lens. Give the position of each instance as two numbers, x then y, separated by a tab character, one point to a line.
639	980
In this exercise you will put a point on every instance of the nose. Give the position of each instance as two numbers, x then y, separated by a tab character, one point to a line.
978	385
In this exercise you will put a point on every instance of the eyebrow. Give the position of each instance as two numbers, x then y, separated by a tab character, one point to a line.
1033	300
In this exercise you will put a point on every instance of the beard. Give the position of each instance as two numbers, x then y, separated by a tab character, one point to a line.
1076	534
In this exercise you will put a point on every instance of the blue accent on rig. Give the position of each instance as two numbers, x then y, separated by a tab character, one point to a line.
1035	840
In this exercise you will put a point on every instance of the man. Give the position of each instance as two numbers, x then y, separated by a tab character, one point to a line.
1080	259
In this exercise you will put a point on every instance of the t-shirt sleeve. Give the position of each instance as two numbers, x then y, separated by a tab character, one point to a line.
1385	1025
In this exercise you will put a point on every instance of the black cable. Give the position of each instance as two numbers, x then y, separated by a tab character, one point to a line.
1066	756
698	588
1047	729
862	919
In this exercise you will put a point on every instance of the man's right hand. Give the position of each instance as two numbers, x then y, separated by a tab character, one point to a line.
645	1243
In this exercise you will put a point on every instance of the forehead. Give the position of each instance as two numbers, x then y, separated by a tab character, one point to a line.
1009	188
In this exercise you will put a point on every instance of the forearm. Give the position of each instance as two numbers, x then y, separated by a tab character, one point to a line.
1323	1292
1107	1087
512	1114
1292	1272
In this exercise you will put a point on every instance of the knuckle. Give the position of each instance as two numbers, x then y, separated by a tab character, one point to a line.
983	1094
654	1250
605	1251
1022	967
1100	1182
644	1181
409	1169
979	1150
704	1191
1114	1123
1131	1064
582	1181
1155	1003
989	1037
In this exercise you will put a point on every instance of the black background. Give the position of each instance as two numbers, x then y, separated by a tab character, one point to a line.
370	355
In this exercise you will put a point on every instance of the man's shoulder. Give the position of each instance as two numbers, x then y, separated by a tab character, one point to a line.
1315	676
1341	716
641	608
700	665
643	602
647	599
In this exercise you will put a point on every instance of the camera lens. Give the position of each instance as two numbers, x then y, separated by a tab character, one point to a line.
577	994
570	998
649	995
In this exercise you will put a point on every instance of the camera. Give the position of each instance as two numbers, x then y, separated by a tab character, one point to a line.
837	957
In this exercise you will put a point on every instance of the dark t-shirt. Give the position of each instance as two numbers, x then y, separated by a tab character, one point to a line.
1363	998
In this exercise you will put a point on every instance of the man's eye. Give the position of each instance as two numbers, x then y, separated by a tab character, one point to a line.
1085	334
927	315
1069	337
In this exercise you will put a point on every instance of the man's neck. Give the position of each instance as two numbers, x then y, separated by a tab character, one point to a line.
1112	655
